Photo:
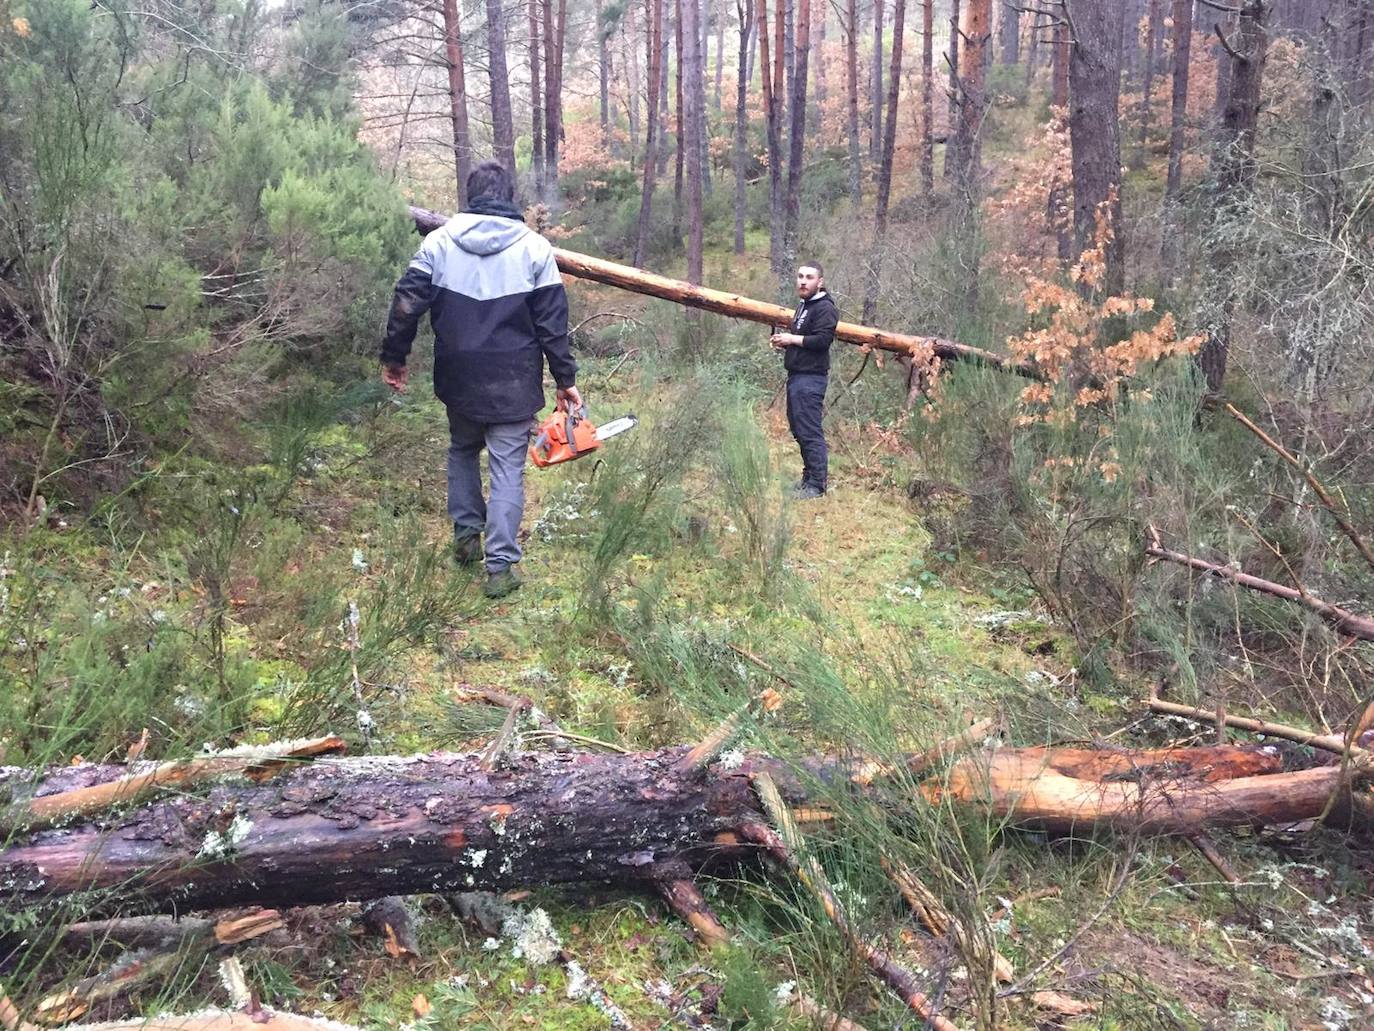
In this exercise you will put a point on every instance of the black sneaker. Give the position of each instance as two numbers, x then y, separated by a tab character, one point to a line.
807	492
503	583
467	547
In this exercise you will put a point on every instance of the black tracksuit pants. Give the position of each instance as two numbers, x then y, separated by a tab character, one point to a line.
805	401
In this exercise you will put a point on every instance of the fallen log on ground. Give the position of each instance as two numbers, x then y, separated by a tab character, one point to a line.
1168	791
363	828
626	277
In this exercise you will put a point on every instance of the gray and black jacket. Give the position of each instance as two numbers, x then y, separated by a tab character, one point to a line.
814	320
498	308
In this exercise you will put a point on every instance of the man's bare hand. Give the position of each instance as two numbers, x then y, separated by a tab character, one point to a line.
396	377
784	340
568	395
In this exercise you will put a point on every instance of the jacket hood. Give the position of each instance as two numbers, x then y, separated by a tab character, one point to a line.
485	234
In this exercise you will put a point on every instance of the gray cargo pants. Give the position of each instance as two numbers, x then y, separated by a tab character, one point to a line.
499	515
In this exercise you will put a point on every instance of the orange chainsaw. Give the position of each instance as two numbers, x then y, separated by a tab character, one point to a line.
564	436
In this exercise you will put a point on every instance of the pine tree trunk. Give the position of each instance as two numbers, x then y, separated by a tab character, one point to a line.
603	71
972	99
1032	50
632	61
1181	55
927	98
851	85
1153	27
502	127
536	98
1094	132
821	85
875	87
1059	200
789	36
773	106
745	9
679	151
952	58
554	31
885	166
720	51
653	14
458	98
798	137
1011	33
1233	167
689	12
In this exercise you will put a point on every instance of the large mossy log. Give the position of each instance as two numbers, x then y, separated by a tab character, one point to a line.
348	829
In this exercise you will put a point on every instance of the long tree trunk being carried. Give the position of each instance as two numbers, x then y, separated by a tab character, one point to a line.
625	277
353	829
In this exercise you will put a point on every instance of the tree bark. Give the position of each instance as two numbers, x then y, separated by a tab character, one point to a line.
771	88
1233	167
875	87
632	62
885	167
1032	49
851	85
689	11
357	829
536	97
653	51
797	139
927	98
821	84
952	116
720	52
1178	123
549	158
458	98
603	70
679	151
975	32
1095	135
745	8
1010	32
502	127
1154	25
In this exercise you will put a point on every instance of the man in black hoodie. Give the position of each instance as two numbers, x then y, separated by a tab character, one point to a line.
496	301
806	357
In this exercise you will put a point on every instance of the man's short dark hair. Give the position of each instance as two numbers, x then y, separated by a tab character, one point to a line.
490	179
820	272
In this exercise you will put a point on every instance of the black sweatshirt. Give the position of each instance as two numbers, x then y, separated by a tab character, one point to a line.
815	320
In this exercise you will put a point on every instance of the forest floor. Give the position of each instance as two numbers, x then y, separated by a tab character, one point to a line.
847	594
664	587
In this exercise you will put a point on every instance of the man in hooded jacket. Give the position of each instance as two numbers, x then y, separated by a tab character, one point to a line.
499	311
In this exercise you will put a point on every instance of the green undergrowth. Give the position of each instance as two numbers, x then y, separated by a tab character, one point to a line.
669	581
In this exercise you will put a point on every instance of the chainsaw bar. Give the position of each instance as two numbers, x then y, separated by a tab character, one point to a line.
616	427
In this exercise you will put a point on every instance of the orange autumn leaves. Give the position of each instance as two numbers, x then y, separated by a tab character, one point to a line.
1088	345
